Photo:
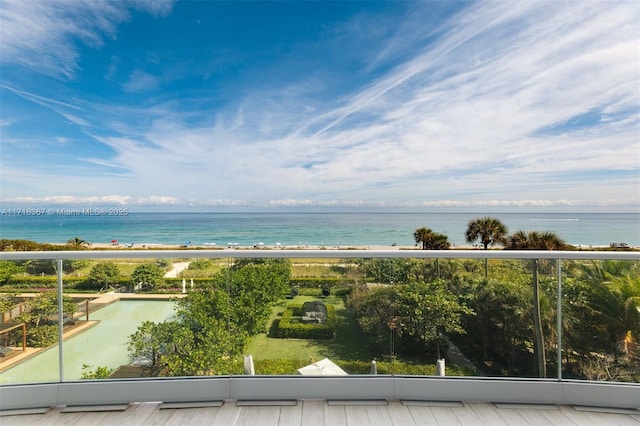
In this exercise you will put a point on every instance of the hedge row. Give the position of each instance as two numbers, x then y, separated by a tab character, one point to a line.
322	282
287	328
22	282
290	366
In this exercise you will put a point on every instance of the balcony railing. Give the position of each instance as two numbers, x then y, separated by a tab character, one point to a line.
484	379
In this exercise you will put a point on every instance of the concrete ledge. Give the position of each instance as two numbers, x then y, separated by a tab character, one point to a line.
269	388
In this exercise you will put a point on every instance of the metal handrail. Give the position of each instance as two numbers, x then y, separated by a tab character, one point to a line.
515	390
328	253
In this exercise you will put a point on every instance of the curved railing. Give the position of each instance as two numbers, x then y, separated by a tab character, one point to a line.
556	390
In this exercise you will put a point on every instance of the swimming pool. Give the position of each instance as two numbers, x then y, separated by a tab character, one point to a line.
102	345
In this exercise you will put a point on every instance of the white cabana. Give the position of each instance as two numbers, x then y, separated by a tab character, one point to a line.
322	368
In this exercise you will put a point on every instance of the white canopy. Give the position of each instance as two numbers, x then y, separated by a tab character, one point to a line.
322	368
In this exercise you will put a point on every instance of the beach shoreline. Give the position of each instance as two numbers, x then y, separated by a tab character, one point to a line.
160	246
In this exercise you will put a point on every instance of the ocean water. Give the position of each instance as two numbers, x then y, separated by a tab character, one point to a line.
313	229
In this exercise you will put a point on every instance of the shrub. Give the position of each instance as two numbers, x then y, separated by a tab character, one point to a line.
103	275
200	264
23	283
321	282
42	335
289	327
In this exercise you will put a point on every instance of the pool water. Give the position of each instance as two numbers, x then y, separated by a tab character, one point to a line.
104	345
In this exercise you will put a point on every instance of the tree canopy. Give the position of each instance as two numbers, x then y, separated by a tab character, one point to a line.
535	240
212	325
489	230
431	240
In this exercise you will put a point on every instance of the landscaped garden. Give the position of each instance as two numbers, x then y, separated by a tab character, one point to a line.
404	313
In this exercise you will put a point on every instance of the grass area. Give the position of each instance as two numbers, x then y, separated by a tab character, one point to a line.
348	343
126	266
347	349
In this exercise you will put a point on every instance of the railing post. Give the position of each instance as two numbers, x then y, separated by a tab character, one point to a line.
559	317
60	320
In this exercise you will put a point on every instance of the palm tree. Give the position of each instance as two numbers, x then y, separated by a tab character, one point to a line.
535	240
431	240
615	301
490	231
77	242
421	235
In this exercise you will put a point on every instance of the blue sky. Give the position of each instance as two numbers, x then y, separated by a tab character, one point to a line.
241	104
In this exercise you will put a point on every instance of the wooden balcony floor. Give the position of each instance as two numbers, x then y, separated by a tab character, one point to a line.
331	413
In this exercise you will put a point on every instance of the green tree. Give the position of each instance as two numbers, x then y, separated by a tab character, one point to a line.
8	269
431	240
535	240
104	275
387	271
489	230
77	243
44	308
40	267
148	275
212	325
613	298
407	318
427	310
99	373
41	315
7	302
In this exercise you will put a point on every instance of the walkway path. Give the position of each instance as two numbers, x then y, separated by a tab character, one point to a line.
177	268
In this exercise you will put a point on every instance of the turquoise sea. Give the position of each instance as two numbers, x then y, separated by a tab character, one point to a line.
313	229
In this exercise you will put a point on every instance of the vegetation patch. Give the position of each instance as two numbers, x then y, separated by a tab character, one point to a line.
291	324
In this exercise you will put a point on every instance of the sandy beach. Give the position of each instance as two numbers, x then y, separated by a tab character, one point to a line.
155	246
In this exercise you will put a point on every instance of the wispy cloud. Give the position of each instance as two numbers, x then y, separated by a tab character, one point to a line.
140	81
42	35
503	104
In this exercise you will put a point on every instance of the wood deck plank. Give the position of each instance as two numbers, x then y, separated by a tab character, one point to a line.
511	416
203	416
334	415
291	415
486	412
161	417
596	418
269	415
422	415
138	413
465	415
536	417
248	416
317	412
356	415
181	416
313	412
379	415
445	415
225	415
399	414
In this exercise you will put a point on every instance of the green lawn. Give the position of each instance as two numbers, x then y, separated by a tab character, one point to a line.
347	345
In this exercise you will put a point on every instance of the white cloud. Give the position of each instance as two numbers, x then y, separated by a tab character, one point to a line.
140	81
482	112
169	201
41	35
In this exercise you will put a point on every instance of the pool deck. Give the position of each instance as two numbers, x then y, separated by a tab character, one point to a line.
96	302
